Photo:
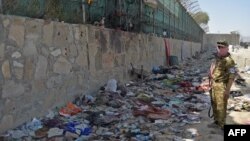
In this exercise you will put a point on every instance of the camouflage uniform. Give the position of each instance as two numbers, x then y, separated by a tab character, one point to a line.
224	69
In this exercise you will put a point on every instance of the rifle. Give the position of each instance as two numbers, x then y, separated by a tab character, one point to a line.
211	103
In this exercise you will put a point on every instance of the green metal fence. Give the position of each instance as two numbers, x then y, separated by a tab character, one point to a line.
64	10
61	10
166	18
30	8
169	18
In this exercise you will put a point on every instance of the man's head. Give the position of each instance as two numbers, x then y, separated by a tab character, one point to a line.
222	44
222	48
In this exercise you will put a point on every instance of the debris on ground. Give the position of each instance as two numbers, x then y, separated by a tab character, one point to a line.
158	108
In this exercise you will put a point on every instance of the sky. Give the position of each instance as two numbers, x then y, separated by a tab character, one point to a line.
228	15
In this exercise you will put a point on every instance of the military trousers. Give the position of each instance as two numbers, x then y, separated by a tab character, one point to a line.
219	104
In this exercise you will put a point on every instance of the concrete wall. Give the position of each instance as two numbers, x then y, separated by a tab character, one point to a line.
209	40
241	57
45	64
242	61
183	49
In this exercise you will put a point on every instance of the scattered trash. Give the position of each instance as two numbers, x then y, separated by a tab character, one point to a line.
240	82
55	132
69	110
192	133
41	133
236	93
156	106
17	134
34	124
111	85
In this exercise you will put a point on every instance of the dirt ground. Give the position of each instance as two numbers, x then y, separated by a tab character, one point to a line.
206	133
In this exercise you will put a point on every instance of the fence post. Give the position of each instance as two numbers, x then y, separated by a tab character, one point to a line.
1	8
83	12
140	15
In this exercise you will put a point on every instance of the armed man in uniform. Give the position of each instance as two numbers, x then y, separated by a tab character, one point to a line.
222	74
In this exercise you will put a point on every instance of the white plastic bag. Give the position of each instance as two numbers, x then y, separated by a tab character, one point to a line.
111	85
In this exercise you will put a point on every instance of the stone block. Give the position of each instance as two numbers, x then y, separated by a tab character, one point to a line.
6	123
83	34
41	68
1	80
2	51
56	52
16	55
9	107
82	58
17	64
30	48
104	38
62	66
18	72
119	60
12	89
16	33
44	52
54	81
28	69
49	100
48	30
2	33
77	32
108	61
61	36
115	41
98	61
17	20
6	69
6	23
38	86
33	29
72	50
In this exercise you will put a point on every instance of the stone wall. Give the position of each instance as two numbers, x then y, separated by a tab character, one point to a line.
45	64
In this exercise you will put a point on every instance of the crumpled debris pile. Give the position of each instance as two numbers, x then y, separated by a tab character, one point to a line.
239	97
246	70
240	103
240	82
